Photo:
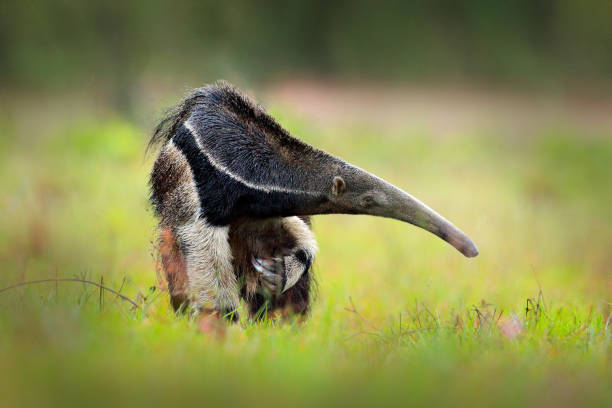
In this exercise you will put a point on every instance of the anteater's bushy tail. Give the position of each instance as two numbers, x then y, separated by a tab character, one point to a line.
172	120
220	93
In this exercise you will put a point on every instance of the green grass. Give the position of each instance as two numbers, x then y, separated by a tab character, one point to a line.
400	318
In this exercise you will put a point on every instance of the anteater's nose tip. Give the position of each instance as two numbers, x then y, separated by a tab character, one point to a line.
470	250
461	242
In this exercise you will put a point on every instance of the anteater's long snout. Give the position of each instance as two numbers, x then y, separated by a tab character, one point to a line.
404	207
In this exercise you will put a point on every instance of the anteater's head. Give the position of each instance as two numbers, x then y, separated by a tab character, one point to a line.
247	165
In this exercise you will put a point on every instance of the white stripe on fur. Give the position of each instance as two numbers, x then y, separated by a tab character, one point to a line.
219	166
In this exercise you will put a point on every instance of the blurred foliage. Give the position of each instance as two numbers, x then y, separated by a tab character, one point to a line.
576	168
113	139
73	42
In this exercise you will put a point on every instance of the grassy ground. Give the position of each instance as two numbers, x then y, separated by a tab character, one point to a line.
400	316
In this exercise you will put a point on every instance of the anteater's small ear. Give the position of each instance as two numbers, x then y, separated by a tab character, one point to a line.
339	186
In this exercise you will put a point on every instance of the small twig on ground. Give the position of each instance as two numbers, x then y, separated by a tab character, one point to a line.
101	292
56	286
116	293
122	284
353	309
361	333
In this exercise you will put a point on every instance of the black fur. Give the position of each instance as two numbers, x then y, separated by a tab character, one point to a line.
251	144
224	199
223	95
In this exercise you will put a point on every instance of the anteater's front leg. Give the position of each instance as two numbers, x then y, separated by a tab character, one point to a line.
280	255
278	274
293	300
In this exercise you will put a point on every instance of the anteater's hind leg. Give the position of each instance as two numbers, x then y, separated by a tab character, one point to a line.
175	271
194	259
208	257
196	256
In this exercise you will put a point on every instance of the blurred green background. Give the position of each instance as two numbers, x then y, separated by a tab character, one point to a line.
498	115
68	45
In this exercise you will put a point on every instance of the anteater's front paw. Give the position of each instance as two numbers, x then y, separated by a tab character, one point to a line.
272	274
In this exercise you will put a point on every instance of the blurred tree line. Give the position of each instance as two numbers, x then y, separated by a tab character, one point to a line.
65	42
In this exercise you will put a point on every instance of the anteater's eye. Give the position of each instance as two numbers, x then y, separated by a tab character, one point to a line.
368	201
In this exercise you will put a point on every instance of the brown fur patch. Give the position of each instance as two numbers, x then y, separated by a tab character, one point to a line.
174	268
